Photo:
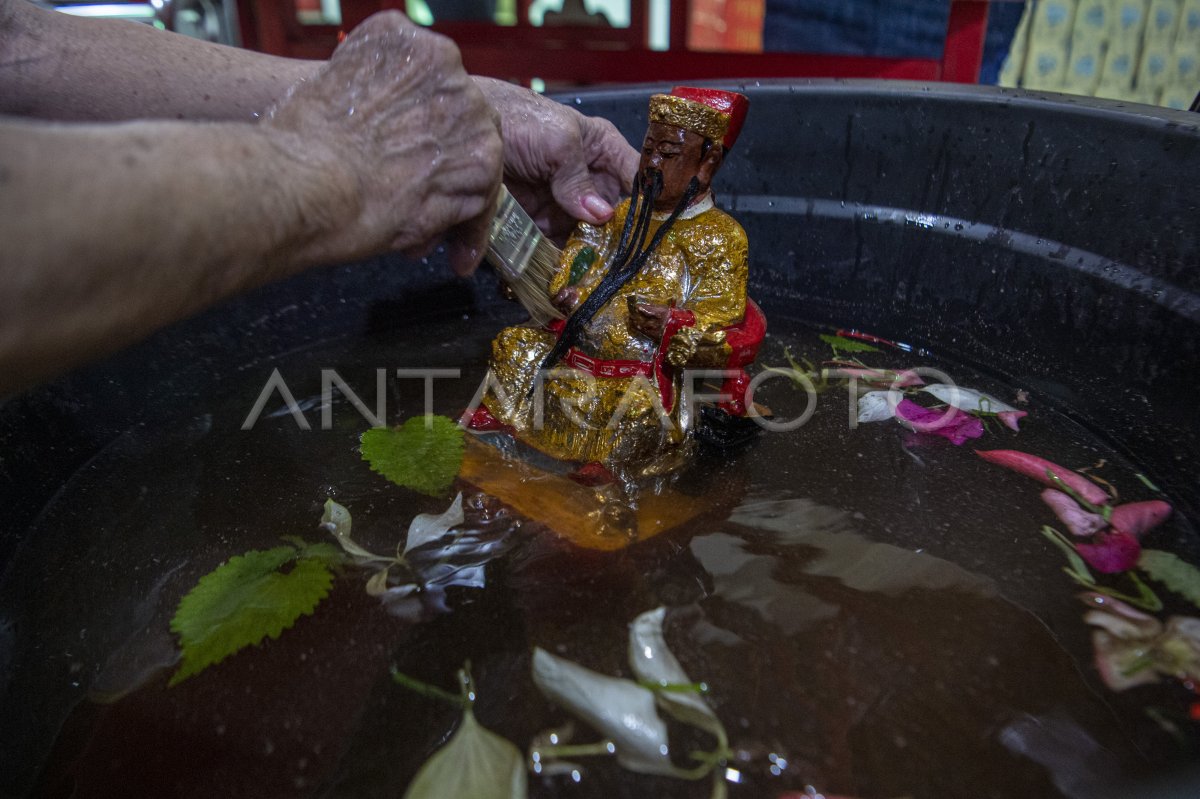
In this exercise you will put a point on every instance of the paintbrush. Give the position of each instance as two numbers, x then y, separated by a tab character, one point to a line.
525	259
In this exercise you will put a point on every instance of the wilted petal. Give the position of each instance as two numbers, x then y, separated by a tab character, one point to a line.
1079	521
968	399
620	710
1124	643
1119	618
1042	469
874	406
1010	419
336	520
880	377
1137	518
476	762
426	527
1122	664
1112	552
950	424
653	662
1180	648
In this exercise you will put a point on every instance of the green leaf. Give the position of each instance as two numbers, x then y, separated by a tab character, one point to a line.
847	344
414	456
1180	576
476	763
242	602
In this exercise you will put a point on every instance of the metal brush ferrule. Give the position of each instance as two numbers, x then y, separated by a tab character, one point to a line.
513	237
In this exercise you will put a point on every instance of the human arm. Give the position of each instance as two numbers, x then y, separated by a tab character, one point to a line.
67	68
103	246
561	166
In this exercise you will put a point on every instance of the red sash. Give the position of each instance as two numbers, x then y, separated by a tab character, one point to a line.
659	368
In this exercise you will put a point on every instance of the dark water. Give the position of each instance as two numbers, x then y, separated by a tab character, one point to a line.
877	610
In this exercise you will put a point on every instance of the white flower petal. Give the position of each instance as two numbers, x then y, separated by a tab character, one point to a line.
426	527
653	662
966	399
620	710
874	406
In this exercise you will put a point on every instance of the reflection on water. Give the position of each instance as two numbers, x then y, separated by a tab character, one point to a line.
874	615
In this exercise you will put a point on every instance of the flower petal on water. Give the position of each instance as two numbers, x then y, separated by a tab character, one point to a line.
620	710
968	399
1037	468
874	406
426	527
653	662
1112	552
1079	521
1137	518
953	425
1010	419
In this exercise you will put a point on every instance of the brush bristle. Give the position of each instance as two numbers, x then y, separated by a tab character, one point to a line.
526	259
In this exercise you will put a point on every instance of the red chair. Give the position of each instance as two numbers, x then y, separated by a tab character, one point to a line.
743	339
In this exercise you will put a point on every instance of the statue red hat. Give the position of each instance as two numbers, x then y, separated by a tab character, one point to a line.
713	113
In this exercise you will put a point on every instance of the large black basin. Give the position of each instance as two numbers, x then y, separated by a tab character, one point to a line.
1051	241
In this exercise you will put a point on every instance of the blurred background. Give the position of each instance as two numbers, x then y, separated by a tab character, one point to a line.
1145	51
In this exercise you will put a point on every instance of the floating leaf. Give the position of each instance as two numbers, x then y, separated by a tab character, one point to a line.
244	601
620	710
414	456
1178	575
653	662
427	527
476	762
843	344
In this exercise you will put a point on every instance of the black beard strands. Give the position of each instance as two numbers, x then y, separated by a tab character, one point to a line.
626	263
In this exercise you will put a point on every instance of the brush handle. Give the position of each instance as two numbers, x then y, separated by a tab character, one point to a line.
513	238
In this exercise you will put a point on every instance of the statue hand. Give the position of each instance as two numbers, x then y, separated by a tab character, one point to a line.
560	165
566	300
648	319
683	346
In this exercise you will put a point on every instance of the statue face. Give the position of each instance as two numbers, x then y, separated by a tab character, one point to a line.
677	154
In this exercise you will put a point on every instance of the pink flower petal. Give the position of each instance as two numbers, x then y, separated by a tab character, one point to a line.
951	424
1079	521
1037	468
1010	418
1112	552
1136	518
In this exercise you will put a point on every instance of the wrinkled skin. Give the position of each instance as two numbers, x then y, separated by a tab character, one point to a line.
560	165
412	134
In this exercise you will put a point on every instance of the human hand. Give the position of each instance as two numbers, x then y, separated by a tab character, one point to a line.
561	166
413	147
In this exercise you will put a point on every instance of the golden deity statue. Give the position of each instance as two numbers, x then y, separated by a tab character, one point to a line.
658	290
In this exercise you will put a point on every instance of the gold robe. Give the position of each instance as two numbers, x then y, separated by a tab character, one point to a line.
700	266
